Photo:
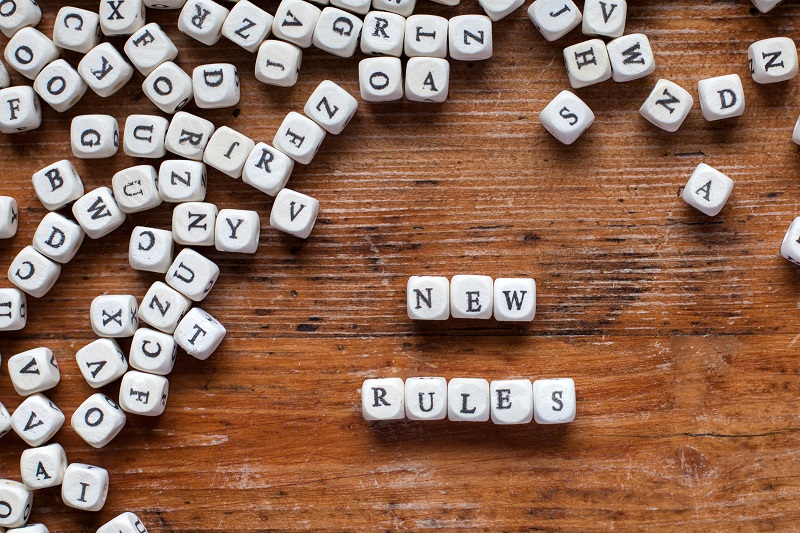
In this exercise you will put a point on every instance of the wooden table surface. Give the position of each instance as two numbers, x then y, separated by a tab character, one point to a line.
681	331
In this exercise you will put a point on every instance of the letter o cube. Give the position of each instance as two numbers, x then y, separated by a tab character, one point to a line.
16	502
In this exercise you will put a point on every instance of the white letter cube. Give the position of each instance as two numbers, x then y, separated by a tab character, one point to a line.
149	47
383	399
145	136
294	213
76	29
168	87
104	70
721	97
790	247
426	36
499	9
401	7
427	79
295	21
33	272
163	307
237	231
9	217
202	20
354	6
153	352
150	249
514	299
192	275
604	17
267	169
33	371
136	189
215	86
554	18
471	296
426	398
98	420
36	420
380	79
331	107
631	57
13	317
29	51
114	315
566	117
84	487
299	137
667	106
18	14
98	213
227	151
124	523
428	298
143	394
470	37
193	223
468	400
278	63
587	63
554	401
383	34
707	190
337	32
101	362
60	85
512	401
247	25
43	467
773	60
765	6
199	333
94	136
16	503
20	109
188	135
182	181
121	17
57	185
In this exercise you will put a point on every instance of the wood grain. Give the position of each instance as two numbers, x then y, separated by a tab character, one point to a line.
681	331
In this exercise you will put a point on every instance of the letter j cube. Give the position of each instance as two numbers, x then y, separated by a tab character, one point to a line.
428	298
707	190
383	399
566	117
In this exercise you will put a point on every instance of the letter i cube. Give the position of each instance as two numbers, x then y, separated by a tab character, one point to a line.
85	487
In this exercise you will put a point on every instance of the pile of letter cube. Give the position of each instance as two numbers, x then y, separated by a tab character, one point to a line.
384	29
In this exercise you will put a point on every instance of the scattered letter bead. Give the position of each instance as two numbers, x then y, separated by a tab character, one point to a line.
144	136
295	21
707	190
721	97
426	398
33	272
13	317
163	307
136	189
124	523
468	400
566	117
554	18
104	70
427	79
554	401
512	401
383	34
18	501
60	85
98	420
470	37
168	87
85	487
182	181
773	60
299	137
237	231
149	47
401	7
227	151
380	79
150	249
471	296
199	334
202	20
21	110
604	17
426	36
428	298
192	275
354	6
58	238
247	25
267	169
101	362
29	51
153	352
36	420
143	394
499	9
30	528
188	135
164	4
215	86
278	63
43	467
33	371
790	247
383	399
57	185
337	32
121	17
114	315
667	106
587	63
514	299
331	107
193	223
98	213
631	57
76	29
294	213
9	217
18	14
94	136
